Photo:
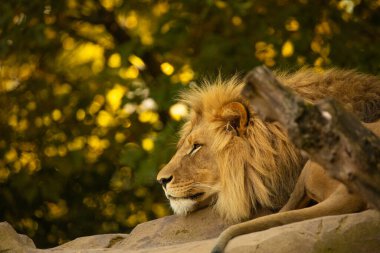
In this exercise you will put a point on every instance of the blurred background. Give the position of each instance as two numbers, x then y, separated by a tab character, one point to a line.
87	93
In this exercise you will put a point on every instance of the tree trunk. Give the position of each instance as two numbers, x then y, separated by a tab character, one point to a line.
331	136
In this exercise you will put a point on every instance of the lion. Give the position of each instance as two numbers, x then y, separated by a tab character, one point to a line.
230	159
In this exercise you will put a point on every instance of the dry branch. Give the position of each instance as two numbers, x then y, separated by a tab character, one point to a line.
330	135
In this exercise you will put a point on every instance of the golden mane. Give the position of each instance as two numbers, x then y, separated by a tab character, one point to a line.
259	171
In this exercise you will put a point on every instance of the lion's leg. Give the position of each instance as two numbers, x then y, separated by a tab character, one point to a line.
339	202
298	198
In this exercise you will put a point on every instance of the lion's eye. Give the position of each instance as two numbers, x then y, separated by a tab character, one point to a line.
195	148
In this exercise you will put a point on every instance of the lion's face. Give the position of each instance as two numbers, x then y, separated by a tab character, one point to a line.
228	157
190	178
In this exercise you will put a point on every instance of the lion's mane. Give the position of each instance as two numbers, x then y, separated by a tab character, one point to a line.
260	169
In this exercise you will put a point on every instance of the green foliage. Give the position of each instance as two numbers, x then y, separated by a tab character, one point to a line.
87	93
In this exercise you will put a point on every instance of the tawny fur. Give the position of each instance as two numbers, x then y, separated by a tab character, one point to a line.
259	172
260	168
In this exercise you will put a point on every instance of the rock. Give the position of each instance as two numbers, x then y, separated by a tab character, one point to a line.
359	233
10	241
93	242
356	233
201	225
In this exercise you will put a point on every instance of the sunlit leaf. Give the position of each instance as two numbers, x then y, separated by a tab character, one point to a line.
104	119
178	111
292	25
115	95
147	144
287	49
114	61
136	61
167	68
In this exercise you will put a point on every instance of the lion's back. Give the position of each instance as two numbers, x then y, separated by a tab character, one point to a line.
359	93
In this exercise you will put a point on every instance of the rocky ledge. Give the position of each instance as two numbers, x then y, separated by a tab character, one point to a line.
359	233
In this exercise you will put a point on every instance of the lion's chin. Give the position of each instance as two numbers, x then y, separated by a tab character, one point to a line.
183	206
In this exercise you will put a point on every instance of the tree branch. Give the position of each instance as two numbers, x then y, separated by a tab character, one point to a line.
330	135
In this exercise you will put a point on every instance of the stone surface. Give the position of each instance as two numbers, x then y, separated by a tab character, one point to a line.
201	225
93	242
359	233
10	241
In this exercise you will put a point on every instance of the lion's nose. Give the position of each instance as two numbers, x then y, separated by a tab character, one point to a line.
164	181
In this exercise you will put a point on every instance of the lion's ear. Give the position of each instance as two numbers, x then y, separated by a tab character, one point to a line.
236	116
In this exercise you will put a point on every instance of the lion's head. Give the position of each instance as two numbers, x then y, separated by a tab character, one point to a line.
227	157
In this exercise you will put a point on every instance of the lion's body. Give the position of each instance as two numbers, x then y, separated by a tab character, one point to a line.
229	158
359	93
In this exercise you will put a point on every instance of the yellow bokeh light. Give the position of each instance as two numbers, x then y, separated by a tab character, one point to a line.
62	89
136	61
111	4
96	104
147	144
4	174
325	51
114	61
25	71
292	25
28	224
236	21
166	27
131	72
83	53
348	5
38	122
131	21
97	144
160	8
46	119
148	116
81	114
62	151
115	95
323	28
97	65
50	33
301	60
120	137
127	124
287	49
49	20
318	62
131	220
13	121
316	46
31	106
56	115
72	4
68	43
11	155
144	31
146	39
50	151
57	210
96	32
77	143
178	111
186	74
88	52
104	119
23	124
220	4
159	210
167	68
265	52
